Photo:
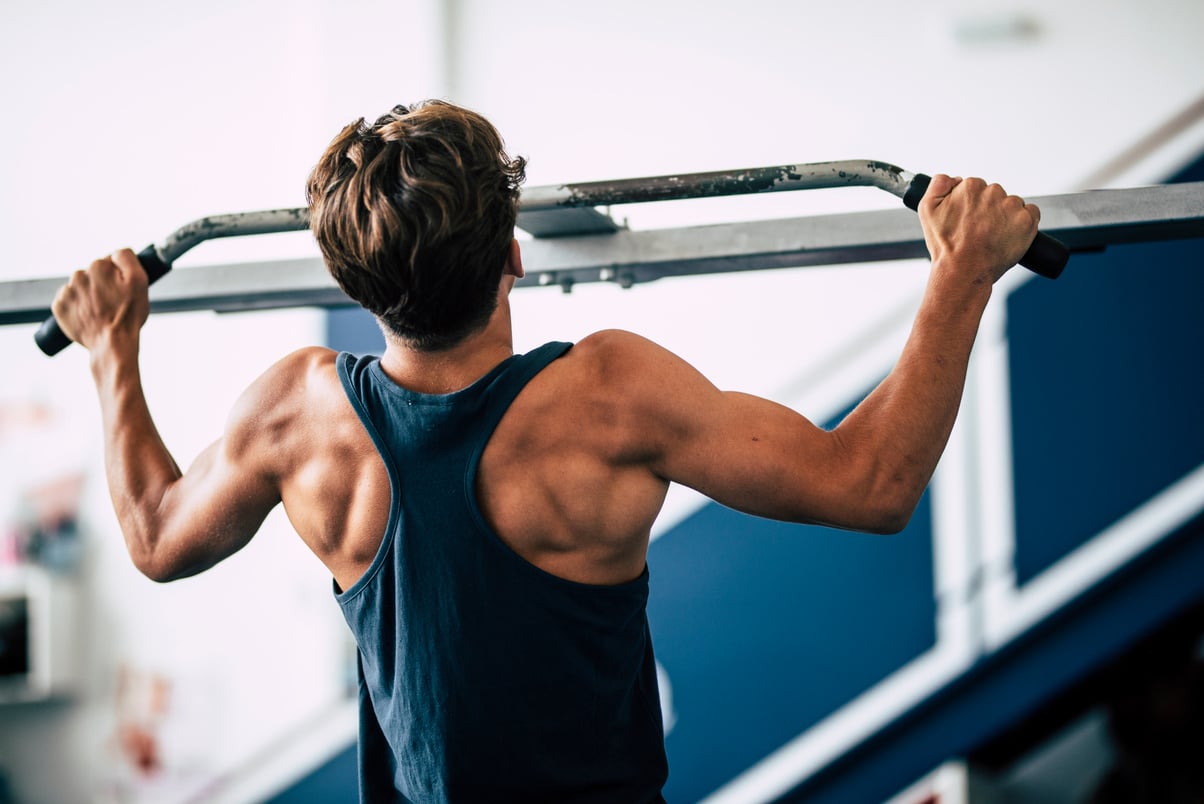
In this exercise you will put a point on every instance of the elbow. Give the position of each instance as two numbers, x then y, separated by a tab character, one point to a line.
150	549
160	577
150	570
868	513
881	488
153	567
160	573
895	491
890	522
891	511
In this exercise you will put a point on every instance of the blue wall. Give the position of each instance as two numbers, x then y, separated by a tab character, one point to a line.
765	628
336	782
1107	379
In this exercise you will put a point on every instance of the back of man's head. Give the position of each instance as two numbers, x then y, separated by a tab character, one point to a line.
414	215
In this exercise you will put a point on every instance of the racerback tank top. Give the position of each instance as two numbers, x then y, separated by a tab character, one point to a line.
482	677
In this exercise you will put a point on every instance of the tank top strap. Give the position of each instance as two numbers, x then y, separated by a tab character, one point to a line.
509	381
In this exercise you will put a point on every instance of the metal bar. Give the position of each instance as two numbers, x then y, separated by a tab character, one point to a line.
1084	221
548	208
782	178
269	221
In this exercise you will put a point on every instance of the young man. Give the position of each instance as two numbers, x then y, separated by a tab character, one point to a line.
486	516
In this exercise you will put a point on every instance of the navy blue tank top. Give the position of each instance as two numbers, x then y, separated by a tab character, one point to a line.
482	677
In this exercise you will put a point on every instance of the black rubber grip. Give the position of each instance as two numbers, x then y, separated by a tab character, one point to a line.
50	336
1046	257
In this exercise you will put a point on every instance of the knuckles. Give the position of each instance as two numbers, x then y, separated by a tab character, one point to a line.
100	265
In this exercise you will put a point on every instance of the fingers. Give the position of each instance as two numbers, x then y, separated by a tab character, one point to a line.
103	270
97	293
122	267
127	261
105	304
977	223
68	300
977	188
76	284
1015	203
940	186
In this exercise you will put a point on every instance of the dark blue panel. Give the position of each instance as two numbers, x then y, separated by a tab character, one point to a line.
1012	683
766	628
1193	172
353	329
1107	378
336	782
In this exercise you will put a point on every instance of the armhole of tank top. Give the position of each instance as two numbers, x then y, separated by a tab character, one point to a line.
343	366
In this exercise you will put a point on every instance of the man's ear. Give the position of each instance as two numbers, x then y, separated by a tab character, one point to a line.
514	261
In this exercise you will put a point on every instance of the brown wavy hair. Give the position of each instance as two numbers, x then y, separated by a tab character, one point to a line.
414	216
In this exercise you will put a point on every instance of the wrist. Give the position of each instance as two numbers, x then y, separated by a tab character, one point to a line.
112	353
962	282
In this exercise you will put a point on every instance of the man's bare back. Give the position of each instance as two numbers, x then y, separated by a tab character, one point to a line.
560	494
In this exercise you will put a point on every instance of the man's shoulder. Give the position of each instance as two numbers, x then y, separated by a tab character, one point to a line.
288	385
615	349
296	372
619	364
284	401
308	357
623	354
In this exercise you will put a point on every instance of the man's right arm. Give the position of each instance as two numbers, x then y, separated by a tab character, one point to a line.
868	473
175	523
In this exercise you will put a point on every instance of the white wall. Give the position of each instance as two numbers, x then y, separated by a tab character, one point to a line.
126	120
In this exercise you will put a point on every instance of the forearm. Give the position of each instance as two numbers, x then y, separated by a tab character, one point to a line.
905	423
138	466
974	232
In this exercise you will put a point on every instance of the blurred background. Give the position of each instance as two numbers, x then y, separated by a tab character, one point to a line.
1034	635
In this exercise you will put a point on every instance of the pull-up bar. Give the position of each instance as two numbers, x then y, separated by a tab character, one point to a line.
579	245
543	211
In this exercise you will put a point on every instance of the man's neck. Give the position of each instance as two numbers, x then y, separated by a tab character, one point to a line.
447	370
